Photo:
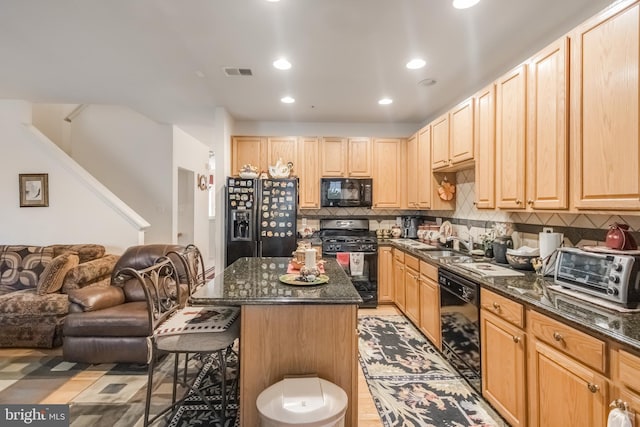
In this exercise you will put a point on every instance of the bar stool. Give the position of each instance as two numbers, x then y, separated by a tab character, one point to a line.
182	330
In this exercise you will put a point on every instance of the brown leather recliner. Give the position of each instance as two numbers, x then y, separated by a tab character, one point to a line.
111	324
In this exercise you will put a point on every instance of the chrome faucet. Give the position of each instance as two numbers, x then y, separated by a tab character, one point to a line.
468	244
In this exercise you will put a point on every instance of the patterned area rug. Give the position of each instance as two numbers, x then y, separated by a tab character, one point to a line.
411	384
117	398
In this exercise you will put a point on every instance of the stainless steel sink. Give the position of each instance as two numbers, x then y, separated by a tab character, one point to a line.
449	257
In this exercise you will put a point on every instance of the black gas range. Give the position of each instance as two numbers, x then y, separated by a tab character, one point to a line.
356	250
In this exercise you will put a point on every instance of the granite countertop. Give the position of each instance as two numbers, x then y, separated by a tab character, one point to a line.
541	294
256	281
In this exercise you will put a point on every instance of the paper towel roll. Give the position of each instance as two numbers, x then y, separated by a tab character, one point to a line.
549	242
310	258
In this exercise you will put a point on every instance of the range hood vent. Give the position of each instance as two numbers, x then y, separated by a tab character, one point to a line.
234	72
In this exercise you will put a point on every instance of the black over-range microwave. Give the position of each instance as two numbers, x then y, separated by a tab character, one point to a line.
346	192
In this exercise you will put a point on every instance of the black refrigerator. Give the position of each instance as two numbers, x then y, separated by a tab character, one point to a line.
261	217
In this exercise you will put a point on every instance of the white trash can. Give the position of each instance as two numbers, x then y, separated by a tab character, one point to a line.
308	402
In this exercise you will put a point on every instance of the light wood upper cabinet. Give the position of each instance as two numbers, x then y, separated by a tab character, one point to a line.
308	169
285	148
248	150
485	134
511	108
388	172
346	157
334	157
440	142
461	140
385	274
412	171
359	157
605	103
547	128
425	177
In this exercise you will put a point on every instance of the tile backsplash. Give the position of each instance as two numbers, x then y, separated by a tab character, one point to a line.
579	229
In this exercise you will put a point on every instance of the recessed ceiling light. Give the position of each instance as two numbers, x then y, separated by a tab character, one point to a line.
282	64
464	4
287	100
416	63
385	101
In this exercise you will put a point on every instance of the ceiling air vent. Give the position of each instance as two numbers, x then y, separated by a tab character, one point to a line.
234	71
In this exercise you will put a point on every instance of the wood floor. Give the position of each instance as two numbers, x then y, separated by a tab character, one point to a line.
367	412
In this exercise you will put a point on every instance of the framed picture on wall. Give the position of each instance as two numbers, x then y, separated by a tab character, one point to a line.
34	189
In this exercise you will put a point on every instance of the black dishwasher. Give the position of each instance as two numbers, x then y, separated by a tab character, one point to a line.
460	324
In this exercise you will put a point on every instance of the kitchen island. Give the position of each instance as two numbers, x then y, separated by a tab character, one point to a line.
289	330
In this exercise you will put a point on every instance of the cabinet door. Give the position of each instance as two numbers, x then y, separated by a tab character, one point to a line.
285	148
563	392
430	310
385	274
412	294
461	141
398	280
485	132
359	157
424	181
247	150
334	157
387	173
412	171
503	367
511	139
605	101
309	172
547	128
440	142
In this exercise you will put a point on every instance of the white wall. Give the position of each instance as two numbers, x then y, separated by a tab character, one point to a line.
133	157
224	128
192	155
49	119
382	130
76	212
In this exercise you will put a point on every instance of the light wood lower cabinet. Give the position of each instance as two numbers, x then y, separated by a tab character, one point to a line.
411	288
563	391
504	356
385	274
430	303
398	278
625	368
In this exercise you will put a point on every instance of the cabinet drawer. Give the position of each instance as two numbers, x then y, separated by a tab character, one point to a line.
429	270
412	262
628	368
511	311
582	347
398	255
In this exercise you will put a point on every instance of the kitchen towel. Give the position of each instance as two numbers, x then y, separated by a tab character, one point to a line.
343	259
619	418
356	263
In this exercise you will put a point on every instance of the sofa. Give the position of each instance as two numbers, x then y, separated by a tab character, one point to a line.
111	324
34	286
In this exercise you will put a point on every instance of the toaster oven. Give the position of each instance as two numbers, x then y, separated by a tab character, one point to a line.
613	277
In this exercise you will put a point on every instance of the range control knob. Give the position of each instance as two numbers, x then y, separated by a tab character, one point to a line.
614	279
612	291
616	266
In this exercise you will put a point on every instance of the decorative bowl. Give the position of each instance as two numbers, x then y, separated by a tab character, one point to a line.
248	175
521	262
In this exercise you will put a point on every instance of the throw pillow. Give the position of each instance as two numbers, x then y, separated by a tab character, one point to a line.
53	275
